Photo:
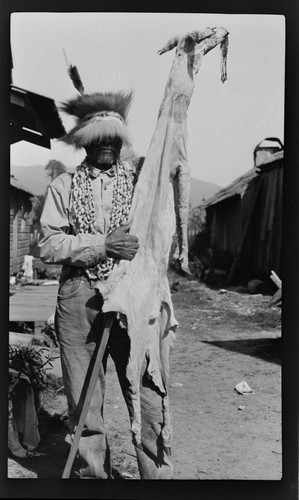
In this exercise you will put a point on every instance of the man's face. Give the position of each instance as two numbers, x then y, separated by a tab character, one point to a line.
104	153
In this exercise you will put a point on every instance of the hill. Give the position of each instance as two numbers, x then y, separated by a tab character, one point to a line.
200	190
35	179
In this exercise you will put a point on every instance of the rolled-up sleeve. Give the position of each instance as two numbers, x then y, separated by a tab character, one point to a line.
58	246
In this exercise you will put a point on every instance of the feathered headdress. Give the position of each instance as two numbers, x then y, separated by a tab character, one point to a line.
99	115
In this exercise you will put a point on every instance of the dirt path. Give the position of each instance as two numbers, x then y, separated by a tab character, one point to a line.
228	338
225	337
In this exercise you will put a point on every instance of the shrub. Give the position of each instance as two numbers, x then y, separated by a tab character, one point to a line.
32	363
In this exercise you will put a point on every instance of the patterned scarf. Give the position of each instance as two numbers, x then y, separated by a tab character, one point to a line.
83	210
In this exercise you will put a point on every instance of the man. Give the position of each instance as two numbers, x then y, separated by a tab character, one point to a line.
85	229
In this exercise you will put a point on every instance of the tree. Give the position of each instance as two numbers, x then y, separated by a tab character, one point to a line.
196	220
54	168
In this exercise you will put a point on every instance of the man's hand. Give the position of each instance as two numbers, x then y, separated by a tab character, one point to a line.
120	245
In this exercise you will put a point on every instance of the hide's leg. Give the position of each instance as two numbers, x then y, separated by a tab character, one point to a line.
153	461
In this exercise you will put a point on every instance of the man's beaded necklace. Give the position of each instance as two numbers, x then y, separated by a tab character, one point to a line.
83	209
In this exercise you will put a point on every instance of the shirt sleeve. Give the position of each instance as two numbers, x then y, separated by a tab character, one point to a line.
58	246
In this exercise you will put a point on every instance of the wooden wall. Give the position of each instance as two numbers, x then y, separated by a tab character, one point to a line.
20	221
262	246
250	226
223	221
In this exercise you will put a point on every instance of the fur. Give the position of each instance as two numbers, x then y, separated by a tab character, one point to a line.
90	131
92	103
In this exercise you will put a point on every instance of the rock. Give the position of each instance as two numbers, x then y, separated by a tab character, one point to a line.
255	286
258	286
243	388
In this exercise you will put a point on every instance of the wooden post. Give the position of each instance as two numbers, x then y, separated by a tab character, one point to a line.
87	390
15	229
276	280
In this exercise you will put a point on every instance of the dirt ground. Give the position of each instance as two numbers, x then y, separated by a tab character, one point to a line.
226	336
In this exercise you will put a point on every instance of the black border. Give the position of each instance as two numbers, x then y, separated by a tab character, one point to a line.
287	488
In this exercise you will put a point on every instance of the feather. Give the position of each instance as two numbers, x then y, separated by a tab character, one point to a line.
74	74
75	77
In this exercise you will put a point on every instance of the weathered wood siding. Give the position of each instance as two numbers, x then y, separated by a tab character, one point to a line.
20	220
260	206
262	248
223	221
32	303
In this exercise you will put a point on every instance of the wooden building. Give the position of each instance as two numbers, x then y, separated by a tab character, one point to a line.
33	118
245	218
20	221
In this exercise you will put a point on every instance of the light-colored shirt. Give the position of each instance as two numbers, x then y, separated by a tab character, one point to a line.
61	244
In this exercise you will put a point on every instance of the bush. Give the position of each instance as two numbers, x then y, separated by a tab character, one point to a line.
31	363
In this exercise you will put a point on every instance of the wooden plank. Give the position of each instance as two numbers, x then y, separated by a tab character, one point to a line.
31	295
23	244
24	339
16	308
266	196
15	244
278	232
23	236
29	302
246	224
272	218
31	316
37	303
37	288
276	279
42	297
21	254
23	249
33	303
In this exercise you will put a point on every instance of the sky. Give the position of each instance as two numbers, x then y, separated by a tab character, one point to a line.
119	51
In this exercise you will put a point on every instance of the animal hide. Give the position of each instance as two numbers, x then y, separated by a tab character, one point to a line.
139	289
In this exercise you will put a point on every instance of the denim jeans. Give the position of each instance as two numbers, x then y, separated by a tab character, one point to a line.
78	323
